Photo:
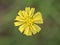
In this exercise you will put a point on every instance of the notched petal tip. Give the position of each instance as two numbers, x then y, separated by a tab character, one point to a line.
16	23
27	32
38	18
19	13
35	28
22	28
31	13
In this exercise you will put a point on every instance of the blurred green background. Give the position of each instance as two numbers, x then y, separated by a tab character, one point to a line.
50	33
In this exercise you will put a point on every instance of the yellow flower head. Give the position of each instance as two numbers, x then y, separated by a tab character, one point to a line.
27	21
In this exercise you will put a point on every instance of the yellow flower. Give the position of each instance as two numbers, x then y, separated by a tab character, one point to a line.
27	21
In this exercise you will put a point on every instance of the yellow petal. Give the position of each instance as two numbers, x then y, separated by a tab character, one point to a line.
35	28
27	9
24	14
18	23
27	31
32	30
20	13
31	13
18	18
37	18
22	28
38	22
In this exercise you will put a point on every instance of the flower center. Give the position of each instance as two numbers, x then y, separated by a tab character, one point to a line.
29	21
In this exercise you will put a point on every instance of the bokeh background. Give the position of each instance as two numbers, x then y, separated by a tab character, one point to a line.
50	33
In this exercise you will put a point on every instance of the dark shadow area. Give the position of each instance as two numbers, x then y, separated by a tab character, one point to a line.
5	4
